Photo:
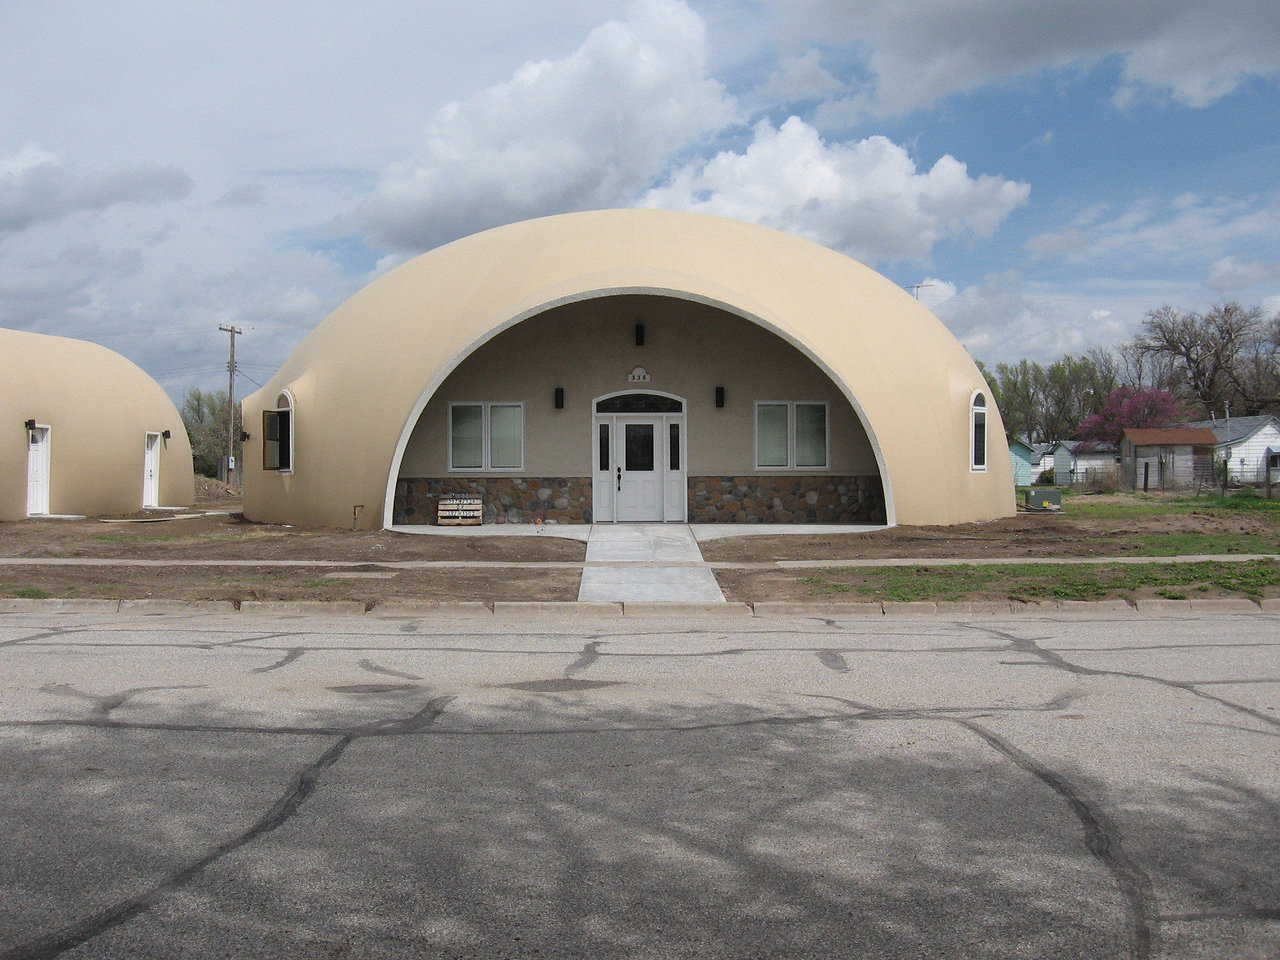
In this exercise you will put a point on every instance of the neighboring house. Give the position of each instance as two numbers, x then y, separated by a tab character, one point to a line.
1168	458
1023	456
1042	457
1243	442
85	432
1076	462
628	365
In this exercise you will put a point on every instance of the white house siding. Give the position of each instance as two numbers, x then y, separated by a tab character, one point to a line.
1248	457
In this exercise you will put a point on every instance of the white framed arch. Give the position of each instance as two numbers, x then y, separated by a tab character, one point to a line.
443	372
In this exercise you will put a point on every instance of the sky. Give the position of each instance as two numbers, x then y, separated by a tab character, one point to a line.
1049	171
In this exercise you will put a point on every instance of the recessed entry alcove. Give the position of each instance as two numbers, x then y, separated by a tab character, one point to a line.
638	434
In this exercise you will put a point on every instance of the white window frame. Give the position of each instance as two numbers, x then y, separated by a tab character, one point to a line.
485	435
791	466
291	409
973	429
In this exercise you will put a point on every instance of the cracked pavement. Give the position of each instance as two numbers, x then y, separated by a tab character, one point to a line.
195	786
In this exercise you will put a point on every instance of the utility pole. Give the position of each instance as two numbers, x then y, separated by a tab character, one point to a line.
231	402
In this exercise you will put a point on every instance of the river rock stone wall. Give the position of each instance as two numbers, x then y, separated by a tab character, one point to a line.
505	499
821	499
786	500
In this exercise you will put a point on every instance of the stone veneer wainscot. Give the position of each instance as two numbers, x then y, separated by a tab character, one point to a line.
784	499
505	499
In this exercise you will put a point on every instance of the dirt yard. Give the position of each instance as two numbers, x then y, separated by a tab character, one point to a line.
289	583
1025	535
227	537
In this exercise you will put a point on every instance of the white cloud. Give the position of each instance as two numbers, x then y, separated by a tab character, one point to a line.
1234	273
1183	230
1004	318
865	198
934	291
36	187
591	129
920	51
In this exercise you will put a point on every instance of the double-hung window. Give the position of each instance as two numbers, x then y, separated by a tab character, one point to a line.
486	436
792	435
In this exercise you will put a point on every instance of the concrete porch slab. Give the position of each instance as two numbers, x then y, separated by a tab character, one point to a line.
702	532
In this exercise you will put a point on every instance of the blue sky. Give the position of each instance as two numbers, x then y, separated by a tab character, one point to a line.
1052	170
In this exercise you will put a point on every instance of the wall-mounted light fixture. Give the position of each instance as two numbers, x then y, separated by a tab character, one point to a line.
243	436
30	424
559	397
639	334
166	434
719	396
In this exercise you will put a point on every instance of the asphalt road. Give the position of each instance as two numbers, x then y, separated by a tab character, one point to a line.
373	788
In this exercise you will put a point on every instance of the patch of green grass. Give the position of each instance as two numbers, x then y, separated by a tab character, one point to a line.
32	593
1031	581
1181	544
1140	504
1172	594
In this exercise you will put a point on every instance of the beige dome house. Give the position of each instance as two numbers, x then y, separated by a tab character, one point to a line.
628	365
85	432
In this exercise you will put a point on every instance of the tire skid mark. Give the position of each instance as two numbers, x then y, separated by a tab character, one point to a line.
1051	658
294	653
1102	837
102	706
372	667
589	655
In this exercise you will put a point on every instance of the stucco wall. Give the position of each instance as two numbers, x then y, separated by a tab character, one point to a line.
589	349
362	378
100	407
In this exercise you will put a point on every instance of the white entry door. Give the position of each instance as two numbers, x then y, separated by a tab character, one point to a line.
151	472
639	469
38	471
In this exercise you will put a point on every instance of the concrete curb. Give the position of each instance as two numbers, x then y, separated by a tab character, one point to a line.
1161	606
518	609
431	608
58	605
1096	606
330	608
826	611
1224	605
659	609
160	605
566	608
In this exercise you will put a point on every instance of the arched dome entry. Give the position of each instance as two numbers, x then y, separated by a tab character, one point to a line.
363	378
534	313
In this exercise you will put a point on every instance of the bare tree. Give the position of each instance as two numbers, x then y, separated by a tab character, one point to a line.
1206	349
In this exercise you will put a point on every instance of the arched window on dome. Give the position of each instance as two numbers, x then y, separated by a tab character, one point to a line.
277	435
978	432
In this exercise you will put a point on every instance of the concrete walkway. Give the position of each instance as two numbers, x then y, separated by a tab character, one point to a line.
641	562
